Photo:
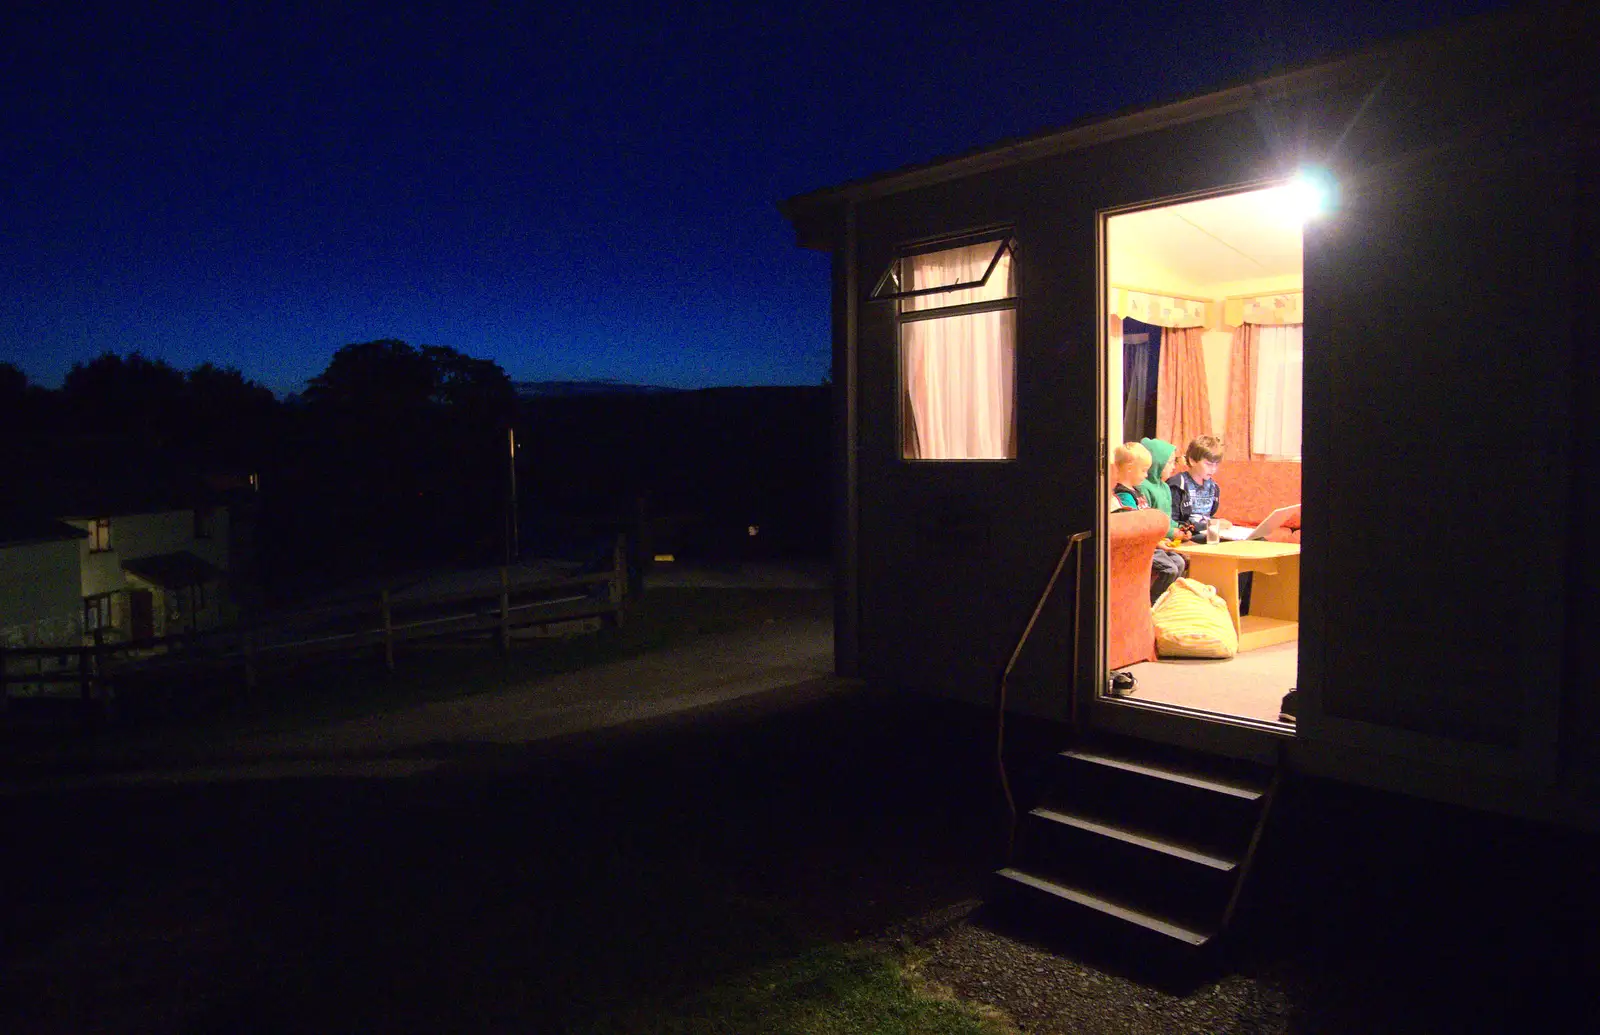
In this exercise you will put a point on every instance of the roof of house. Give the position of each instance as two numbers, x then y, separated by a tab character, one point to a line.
23	528
812	211
111	494
173	570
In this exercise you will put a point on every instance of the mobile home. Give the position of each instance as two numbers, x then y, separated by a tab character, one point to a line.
1372	280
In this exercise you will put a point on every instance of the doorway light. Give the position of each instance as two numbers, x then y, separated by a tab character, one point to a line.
1307	196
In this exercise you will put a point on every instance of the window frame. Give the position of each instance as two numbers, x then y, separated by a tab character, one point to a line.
100	535
1005	238
99	607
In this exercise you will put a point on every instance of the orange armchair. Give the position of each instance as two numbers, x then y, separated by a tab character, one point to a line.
1131	544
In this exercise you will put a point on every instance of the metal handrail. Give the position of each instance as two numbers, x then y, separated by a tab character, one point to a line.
1073	545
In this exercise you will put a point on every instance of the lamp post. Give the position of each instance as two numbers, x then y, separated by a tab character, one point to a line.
513	547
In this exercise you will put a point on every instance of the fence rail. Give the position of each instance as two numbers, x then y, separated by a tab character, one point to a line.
370	623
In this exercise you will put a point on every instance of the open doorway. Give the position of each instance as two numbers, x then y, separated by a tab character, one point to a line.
1204	340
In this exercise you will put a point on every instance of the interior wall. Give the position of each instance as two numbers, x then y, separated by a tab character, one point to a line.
1216	346
1130	268
1254	286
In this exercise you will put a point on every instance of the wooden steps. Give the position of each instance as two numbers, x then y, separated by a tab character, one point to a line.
1107	907
1139	839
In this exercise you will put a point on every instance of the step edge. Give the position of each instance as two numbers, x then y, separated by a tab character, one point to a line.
1106	907
1138	839
1220	785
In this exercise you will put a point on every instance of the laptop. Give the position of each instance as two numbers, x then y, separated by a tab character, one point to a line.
1273	521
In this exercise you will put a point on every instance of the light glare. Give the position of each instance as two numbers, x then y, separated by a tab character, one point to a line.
1308	196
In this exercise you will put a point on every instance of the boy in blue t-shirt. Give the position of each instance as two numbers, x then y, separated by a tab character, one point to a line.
1195	492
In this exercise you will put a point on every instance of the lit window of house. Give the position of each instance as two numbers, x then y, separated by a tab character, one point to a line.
99	535
957	316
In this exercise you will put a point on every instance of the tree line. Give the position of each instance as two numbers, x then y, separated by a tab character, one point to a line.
397	458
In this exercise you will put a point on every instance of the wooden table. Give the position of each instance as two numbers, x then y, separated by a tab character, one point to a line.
1274	594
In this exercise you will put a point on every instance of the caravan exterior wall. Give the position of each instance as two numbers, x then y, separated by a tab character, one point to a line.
1449	409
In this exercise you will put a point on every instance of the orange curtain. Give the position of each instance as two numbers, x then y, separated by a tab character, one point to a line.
1242	391
1183	408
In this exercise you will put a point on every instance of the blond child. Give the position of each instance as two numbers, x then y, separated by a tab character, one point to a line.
1130	462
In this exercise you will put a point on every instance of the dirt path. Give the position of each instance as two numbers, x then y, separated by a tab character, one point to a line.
717	807
714	669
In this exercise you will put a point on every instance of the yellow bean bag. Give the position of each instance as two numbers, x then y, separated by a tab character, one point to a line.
1192	621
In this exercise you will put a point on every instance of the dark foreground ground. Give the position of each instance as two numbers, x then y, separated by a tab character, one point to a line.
550	886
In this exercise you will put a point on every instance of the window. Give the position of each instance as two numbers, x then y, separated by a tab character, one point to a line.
1275	424
99	535
204	522
957	316
96	613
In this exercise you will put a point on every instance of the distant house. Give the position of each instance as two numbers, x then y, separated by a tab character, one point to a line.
41	588
129	571
150	573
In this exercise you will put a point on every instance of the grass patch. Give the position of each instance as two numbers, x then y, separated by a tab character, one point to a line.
834	990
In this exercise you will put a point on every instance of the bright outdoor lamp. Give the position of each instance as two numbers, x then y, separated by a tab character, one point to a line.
1309	195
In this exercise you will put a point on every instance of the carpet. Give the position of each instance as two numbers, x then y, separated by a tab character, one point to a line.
1251	684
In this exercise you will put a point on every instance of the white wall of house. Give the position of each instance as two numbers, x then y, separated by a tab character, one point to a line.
39	587
145	535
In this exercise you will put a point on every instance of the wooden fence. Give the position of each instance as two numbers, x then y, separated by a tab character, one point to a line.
374	623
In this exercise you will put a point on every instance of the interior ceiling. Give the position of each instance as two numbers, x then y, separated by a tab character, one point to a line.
1217	241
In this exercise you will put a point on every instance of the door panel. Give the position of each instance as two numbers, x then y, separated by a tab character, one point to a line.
1439	426
141	612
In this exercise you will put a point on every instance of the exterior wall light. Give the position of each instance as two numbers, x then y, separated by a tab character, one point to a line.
1310	195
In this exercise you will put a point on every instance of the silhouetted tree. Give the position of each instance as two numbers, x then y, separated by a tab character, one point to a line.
371	378
212	417
21	403
390	376
134	399
238	418
475	389
13	382
402	448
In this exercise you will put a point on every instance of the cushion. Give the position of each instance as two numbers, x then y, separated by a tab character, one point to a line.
1192	621
1252	489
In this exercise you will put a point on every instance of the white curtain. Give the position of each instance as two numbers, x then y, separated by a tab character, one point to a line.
960	371
1275	429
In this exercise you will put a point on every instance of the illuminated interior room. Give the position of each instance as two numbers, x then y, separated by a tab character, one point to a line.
1205	336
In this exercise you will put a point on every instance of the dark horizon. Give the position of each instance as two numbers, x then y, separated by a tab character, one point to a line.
576	197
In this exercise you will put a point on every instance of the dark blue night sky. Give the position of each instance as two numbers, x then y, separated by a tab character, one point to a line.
582	194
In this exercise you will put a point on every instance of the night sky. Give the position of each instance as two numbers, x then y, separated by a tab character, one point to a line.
585	193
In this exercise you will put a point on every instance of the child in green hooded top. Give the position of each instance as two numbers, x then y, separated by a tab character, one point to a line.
1131	467
1163	461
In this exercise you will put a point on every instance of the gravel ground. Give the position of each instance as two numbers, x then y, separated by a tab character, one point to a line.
1043	991
1368	912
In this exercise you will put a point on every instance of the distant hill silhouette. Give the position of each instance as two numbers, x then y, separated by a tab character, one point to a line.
568	389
